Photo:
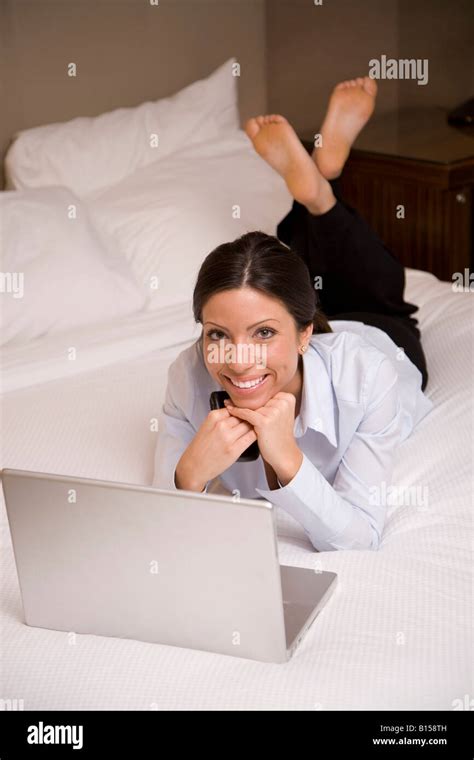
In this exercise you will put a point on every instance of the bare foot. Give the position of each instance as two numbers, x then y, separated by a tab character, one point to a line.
275	140
350	107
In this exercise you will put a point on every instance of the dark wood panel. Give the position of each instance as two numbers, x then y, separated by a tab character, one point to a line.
435	232
435	174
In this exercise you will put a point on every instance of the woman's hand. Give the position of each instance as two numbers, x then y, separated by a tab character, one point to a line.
274	423
218	443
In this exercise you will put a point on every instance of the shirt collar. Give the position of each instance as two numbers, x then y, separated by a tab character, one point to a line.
317	402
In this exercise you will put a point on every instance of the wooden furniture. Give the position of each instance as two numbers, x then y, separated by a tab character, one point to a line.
411	176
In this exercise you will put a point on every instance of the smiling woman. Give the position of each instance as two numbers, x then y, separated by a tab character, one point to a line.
328	409
259	278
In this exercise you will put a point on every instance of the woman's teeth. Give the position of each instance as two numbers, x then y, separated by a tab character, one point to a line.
249	383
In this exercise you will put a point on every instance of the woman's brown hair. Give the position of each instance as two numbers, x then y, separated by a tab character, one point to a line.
262	262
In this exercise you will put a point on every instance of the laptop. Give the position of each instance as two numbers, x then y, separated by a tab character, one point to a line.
179	568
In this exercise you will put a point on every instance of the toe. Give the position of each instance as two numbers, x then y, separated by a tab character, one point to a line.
370	86
252	128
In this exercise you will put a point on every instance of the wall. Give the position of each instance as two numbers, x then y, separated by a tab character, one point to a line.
127	51
442	32
312	47
292	52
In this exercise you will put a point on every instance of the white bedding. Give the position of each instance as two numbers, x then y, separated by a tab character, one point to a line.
397	632
88	154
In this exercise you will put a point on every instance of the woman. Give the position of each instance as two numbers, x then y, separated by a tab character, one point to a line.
327	407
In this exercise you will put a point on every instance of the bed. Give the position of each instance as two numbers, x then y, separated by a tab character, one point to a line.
80	398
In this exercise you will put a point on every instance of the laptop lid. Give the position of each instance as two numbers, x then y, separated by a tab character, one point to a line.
170	567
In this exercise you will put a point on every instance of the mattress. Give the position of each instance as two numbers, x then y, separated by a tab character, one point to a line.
397	631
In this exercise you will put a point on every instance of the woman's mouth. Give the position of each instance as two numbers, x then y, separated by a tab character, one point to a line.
248	387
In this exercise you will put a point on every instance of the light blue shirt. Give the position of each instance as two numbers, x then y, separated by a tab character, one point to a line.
361	397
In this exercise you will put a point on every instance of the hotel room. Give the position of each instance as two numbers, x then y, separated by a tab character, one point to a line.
131	151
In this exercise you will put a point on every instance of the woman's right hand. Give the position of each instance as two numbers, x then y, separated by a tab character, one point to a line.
218	443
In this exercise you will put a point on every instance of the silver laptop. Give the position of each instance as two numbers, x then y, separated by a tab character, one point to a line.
169	567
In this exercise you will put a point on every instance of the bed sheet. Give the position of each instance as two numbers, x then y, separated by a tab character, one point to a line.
397	632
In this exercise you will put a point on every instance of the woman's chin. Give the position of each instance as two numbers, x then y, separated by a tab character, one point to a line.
258	401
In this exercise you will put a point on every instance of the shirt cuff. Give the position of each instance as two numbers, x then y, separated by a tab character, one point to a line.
297	482
310	500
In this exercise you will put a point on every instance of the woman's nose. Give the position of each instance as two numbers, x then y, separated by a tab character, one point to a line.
243	355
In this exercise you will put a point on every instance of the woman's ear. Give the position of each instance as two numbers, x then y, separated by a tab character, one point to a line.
306	334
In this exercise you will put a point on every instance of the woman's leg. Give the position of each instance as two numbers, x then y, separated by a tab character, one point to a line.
353	272
355	276
356	271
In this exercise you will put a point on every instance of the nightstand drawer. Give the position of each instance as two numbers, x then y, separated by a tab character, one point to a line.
410	175
417	211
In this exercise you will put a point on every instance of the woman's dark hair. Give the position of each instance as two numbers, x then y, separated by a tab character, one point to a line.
262	262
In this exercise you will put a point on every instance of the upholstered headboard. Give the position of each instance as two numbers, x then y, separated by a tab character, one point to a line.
125	52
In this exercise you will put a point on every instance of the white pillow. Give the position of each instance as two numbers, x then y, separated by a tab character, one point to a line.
168	216
56	271
89	153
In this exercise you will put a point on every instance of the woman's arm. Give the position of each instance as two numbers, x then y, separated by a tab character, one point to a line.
187	458
175	433
270	474
350	514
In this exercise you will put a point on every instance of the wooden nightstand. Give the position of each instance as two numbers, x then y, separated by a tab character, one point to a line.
411	176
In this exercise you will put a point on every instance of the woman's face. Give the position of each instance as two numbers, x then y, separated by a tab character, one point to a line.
249	337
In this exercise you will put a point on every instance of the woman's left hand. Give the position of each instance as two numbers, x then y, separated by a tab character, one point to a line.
273	423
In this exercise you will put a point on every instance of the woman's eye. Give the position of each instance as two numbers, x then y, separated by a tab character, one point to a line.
266	330
263	332
215	334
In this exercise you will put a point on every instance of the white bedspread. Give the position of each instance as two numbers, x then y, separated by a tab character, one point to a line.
397	632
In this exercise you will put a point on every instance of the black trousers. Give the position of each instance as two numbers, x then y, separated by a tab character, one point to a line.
361	279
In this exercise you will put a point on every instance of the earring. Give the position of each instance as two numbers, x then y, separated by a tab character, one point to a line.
303	349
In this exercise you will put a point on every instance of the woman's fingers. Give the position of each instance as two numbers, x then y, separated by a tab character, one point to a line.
249	415
241	429
245	441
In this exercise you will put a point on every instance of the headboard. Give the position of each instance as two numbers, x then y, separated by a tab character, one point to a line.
126	52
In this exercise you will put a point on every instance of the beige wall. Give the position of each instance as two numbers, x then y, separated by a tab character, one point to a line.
291	52
311	47
442	32
126	52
